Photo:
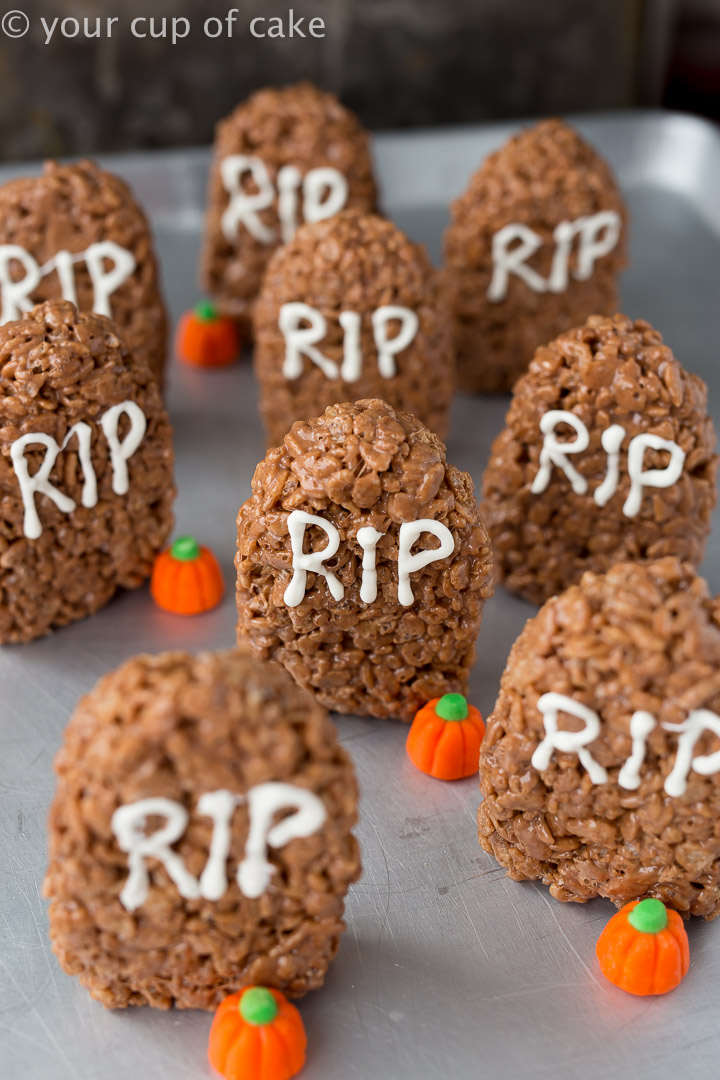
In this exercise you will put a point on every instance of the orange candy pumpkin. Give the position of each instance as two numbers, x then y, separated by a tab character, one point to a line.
445	736
644	948
206	338
257	1035
187	578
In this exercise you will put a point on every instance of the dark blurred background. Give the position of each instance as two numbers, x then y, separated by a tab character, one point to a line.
397	62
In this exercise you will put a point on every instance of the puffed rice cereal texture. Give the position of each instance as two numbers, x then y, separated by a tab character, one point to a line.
358	465
644	636
609	371
354	262
59	368
541	177
296	125
178	726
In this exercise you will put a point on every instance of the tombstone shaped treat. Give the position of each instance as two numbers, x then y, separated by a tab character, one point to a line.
349	309
607	454
86	482
77	232
534	246
200	835
362	564
284	156
600	767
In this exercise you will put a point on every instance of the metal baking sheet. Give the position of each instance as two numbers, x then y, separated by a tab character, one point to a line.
447	969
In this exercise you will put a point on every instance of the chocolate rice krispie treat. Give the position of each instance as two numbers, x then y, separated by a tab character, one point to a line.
362	564
600	767
607	454
77	232
284	156
200	835
349	309
534	246
86	469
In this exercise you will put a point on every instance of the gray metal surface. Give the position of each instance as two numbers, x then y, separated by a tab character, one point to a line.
448	969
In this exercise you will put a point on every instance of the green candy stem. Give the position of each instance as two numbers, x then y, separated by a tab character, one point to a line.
185	549
206	311
452	707
258	1006
649	916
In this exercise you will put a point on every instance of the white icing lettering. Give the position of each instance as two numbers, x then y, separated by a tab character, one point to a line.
313	561
83	433
122	451
17	295
657	478
288	182
555	453
568	742
611	440
301	340
641	724
106	282
264	802
128	825
324	193
254	872
367	538
592	245
64	264
597	235
509	258
39	483
698	721
388	348
243	207
351	369
408	564
563	235
220	806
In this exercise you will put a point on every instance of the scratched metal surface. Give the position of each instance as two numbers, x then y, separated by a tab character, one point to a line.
448	969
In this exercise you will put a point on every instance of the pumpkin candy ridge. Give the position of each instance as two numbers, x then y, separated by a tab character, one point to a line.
643	962
207	339
206	576
667	963
638	970
444	738
187	579
422	739
449	750
276	1060
243	1056
614	944
676	931
244	1044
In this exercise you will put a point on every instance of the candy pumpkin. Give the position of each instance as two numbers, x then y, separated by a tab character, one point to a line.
445	736
187	578
644	948
257	1034
206	338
